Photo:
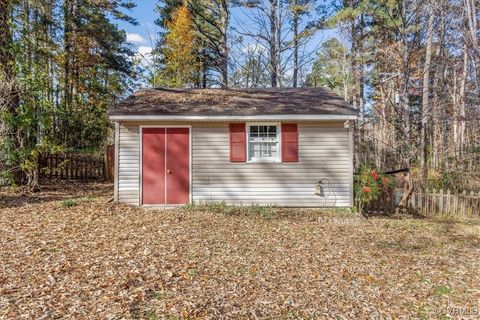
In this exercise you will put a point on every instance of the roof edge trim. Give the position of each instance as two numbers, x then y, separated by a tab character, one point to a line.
291	117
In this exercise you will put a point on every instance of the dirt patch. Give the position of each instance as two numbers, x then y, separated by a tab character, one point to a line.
68	253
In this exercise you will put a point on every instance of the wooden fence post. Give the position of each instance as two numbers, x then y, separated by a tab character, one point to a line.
416	204
440	203
53	165
62	163
105	163
455	203
471	204
88	168
478	203
84	169
413	200
89	172
449	202
420	201
427	201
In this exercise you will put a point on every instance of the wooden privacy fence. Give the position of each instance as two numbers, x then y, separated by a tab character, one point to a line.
72	167
110	162
384	204
429	202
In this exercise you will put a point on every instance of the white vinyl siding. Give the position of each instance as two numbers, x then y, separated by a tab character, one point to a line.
323	154
129	164
323	151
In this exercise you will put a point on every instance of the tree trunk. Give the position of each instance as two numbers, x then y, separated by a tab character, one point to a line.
279	42
440	128
273	44
405	99
224	15
426	89
461	110
11	99
471	12
361	76
6	56
352	95
35	183
295	45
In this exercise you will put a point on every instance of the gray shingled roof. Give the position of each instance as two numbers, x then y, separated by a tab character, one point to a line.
233	102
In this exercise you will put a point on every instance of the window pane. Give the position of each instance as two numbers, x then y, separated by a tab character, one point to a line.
267	151
253	132
254	150
263	142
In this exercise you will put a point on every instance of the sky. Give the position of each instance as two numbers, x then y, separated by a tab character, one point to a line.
143	36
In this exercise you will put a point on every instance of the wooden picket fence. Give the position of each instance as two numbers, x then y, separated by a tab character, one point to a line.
429	202
439	202
72	167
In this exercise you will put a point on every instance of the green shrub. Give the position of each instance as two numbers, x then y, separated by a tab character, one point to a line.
68	203
369	184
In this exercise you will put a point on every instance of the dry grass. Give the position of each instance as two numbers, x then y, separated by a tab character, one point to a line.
85	258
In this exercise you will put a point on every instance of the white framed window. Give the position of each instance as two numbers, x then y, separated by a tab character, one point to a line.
263	142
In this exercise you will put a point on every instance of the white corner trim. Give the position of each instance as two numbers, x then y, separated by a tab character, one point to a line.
273	117
116	161
351	151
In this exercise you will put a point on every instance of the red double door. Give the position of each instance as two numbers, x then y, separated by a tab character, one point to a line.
165	165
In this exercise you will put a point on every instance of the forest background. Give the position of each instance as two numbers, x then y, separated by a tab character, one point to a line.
411	69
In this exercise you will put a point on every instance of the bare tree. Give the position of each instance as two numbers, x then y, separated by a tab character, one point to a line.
263	25
281	33
426	83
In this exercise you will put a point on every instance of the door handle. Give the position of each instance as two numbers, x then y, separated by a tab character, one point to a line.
169	171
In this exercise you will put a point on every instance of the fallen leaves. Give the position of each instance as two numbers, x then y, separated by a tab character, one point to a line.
93	259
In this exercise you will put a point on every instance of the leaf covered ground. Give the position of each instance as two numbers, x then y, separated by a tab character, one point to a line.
67	253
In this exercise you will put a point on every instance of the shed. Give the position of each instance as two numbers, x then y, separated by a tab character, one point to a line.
273	146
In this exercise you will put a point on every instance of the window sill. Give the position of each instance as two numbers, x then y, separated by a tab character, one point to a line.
264	161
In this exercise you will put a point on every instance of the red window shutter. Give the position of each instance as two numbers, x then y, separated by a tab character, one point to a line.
289	142
238	150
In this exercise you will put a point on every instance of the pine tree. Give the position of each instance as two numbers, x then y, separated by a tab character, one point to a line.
63	63
330	69
210	20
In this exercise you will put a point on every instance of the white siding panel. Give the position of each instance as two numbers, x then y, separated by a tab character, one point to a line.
323	154
128	164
